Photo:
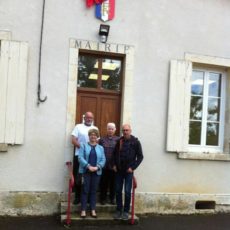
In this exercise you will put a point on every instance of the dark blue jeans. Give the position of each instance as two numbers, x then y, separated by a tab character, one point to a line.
123	178
107	183
89	187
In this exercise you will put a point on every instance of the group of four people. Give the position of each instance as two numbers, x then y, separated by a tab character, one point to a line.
109	159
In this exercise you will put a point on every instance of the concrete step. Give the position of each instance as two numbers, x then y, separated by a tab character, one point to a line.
107	208
102	219
104	214
64	196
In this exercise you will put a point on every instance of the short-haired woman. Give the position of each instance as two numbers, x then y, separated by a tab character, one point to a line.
91	159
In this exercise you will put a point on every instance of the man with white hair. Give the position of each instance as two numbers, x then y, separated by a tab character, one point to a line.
108	174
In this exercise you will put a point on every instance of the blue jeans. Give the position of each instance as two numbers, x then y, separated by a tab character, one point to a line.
123	178
89	187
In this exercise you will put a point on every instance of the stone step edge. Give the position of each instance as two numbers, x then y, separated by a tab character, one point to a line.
99	209
98	204
101	218
108	208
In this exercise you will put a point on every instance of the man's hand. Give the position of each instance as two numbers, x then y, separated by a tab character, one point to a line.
129	170
75	142
114	168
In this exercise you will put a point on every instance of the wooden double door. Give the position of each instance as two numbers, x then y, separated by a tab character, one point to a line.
104	106
99	89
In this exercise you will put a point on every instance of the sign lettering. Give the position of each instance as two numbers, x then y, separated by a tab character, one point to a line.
105	47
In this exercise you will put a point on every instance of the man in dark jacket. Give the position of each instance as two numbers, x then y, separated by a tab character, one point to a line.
127	157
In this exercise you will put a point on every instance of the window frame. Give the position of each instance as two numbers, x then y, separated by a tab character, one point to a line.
202	147
177	126
100	56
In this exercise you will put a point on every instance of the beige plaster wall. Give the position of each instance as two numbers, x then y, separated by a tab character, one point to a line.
159	31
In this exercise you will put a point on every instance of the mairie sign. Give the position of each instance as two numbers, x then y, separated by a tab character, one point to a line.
105	10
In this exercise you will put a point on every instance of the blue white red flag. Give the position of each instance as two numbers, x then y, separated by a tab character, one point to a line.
90	3
105	10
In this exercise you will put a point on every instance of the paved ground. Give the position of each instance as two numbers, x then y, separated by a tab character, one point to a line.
166	222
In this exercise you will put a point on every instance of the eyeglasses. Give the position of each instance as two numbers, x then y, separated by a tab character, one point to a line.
125	130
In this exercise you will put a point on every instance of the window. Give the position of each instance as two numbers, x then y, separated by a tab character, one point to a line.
197	127
206	122
99	73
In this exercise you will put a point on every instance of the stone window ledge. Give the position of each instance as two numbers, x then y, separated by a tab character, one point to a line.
3	147
204	156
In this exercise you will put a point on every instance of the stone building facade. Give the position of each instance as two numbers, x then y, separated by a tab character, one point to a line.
174	86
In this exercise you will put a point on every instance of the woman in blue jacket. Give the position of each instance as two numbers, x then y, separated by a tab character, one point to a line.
91	161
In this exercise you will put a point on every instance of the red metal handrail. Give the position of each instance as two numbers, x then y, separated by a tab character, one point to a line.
71	184
133	199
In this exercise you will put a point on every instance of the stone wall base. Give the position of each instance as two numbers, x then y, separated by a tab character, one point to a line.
182	203
29	203
48	203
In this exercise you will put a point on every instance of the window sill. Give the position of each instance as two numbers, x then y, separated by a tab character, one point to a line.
3	147
204	156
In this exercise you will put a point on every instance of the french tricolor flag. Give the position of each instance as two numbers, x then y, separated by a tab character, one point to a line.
90	3
105	10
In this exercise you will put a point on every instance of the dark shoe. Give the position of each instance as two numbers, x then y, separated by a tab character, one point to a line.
125	216
117	215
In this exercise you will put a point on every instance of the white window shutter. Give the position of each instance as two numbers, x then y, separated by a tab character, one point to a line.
13	75
4	58
179	106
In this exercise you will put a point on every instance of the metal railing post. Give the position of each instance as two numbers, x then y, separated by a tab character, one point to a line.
133	199
71	184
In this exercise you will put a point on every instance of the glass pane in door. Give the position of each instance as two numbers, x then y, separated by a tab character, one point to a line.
111	74
87	73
